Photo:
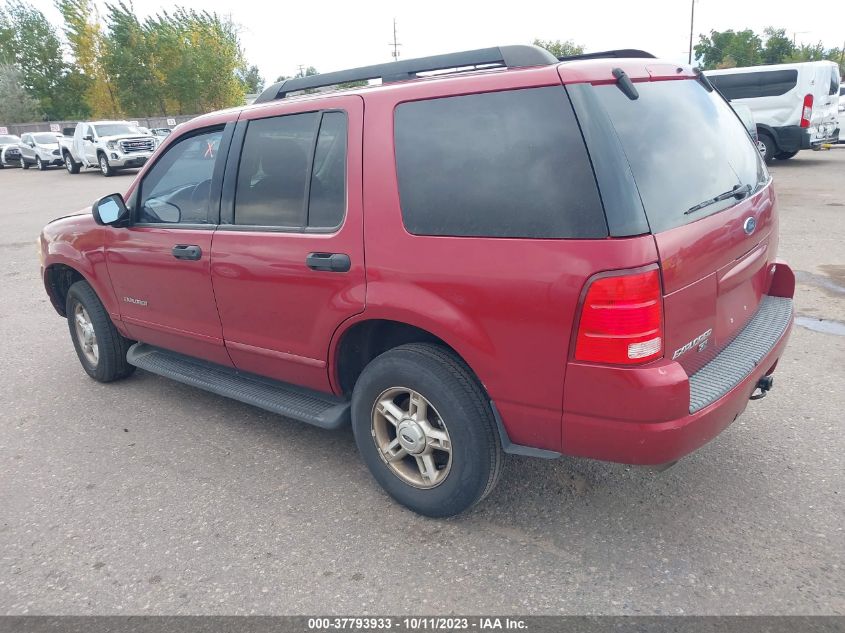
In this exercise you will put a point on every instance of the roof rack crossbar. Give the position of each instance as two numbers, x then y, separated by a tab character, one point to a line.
519	56
616	53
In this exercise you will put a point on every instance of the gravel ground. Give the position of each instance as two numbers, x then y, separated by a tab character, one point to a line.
149	497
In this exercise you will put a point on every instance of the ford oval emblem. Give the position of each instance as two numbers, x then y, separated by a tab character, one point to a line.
749	225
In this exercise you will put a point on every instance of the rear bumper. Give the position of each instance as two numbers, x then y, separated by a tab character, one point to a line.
713	397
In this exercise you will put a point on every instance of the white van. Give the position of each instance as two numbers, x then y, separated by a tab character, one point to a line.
795	105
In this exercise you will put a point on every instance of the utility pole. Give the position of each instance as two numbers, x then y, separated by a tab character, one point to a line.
301	70
794	33
394	44
691	23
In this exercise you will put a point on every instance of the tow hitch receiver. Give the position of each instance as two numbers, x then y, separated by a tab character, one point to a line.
764	385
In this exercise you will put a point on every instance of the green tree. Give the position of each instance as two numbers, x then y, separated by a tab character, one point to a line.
778	47
31	43
16	105
252	80
560	49
85	38
724	49
129	60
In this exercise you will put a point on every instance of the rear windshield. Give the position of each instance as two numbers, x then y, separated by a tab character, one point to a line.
498	164
685	146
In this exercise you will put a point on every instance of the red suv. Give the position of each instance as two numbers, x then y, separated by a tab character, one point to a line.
510	254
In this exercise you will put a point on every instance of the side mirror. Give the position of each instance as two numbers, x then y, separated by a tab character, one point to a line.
88	137
110	211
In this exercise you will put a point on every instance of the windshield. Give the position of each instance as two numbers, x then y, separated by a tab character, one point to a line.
7	139
45	139
685	146
117	129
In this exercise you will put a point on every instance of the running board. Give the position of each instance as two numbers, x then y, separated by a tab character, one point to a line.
298	403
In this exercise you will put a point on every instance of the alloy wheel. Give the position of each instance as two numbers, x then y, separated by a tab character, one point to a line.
411	437
85	334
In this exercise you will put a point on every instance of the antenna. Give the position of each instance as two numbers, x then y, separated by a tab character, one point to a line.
394	44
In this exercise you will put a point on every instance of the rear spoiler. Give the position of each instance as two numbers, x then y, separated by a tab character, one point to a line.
616	53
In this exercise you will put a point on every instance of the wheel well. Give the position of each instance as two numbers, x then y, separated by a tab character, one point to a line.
59	278
368	339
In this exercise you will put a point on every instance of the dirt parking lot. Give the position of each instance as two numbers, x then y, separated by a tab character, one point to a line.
147	496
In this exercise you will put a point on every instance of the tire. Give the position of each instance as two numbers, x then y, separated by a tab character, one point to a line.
71	165
785	155
24	164
40	164
457	408
105	169
111	347
771	148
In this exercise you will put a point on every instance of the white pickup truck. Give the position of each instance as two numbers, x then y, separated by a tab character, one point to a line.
107	145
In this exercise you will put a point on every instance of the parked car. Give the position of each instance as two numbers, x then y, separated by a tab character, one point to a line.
161	131
747	118
40	149
9	153
549	263
108	145
794	104
842	113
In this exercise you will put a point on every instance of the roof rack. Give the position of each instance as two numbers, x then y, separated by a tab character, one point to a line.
519	56
617	53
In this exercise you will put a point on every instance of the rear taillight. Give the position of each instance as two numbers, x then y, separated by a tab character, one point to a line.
807	111
621	320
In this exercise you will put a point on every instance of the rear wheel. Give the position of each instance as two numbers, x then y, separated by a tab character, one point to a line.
771	148
785	155
105	168
100	347
426	431
71	165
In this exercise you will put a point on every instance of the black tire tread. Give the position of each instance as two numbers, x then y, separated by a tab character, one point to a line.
112	344
458	372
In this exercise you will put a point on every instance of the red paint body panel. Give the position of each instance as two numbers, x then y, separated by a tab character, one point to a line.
655	443
180	311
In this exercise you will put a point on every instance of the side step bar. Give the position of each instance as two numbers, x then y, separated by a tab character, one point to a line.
313	407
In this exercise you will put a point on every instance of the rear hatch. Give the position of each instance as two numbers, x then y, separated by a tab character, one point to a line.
709	204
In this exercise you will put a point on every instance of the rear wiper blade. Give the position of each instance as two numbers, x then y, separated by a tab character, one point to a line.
739	192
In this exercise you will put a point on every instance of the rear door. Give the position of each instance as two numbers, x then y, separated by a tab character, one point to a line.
686	147
288	257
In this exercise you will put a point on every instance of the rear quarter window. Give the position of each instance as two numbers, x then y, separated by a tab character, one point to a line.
499	164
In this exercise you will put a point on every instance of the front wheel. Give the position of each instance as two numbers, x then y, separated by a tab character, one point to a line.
785	155
100	347
426	430
41	165
105	168
24	164
71	165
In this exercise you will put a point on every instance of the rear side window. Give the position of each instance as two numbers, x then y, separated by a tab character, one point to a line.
685	146
292	172
755	84
500	164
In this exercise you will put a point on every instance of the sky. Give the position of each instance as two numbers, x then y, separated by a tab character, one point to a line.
337	34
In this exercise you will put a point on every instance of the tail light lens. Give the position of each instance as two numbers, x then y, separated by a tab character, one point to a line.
807	111
621	320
